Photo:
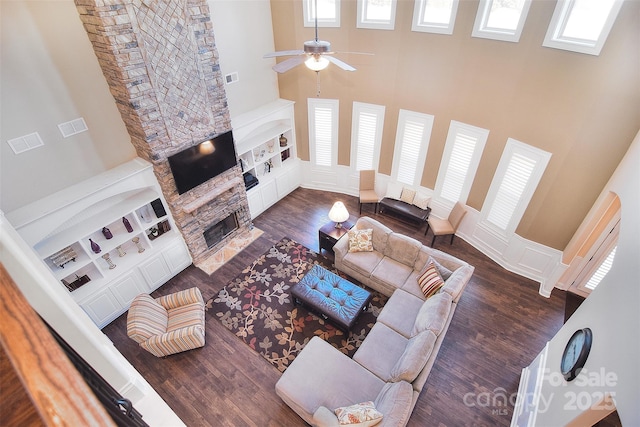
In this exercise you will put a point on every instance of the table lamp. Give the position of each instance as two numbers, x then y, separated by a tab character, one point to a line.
338	214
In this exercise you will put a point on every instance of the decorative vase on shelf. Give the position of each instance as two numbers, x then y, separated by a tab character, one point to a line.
95	247
283	140
107	233
127	224
145	213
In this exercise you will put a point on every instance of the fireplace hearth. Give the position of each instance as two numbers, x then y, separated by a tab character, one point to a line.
220	230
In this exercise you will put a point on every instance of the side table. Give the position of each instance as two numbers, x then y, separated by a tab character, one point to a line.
328	235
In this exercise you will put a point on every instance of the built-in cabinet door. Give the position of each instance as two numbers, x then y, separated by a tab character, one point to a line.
287	182
269	193
255	202
177	257
155	271
127	287
101	307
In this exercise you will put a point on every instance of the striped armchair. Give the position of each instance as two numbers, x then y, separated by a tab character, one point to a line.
169	324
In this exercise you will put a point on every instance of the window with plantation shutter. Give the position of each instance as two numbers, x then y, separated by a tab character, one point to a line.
412	141
601	271
366	135
460	160
323	131
518	174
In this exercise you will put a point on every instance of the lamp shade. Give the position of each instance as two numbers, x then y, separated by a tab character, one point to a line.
316	63
338	213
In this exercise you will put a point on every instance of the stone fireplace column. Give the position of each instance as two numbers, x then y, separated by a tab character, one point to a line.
161	64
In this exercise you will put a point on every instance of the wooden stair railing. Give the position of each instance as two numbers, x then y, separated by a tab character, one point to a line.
54	387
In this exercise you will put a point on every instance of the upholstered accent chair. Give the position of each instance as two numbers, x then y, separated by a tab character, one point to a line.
444	227
367	189
169	324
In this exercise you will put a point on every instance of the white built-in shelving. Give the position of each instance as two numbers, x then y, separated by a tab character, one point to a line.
105	279
266	145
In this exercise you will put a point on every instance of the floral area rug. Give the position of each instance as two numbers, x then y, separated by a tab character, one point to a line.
258	307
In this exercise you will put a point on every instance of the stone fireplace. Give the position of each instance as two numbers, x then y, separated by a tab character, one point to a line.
160	61
220	230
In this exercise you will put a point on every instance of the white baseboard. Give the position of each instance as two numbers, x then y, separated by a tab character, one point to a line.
515	253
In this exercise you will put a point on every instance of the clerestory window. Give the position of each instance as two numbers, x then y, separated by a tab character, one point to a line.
376	14
501	19
582	25
434	16
328	13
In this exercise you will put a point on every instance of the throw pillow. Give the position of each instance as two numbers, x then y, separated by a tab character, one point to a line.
430	280
407	195
394	190
361	240
421	200
360	414
444	271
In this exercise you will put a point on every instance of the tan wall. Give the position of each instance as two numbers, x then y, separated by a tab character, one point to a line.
581	108
50	75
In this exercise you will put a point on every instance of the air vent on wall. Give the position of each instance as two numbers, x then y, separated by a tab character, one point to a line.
25	143
73	127
231	77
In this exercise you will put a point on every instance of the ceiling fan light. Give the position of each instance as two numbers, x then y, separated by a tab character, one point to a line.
316	63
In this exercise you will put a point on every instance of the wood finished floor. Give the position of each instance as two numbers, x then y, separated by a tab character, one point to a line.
499	327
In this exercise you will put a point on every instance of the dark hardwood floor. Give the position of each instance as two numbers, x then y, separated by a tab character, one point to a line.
499	327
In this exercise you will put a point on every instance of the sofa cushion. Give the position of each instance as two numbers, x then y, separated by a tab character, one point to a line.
433	314
395	401
323	376
430	280
146	318
381	350
362	262
360	240
414	357
400	312
360	414
402	248
390	273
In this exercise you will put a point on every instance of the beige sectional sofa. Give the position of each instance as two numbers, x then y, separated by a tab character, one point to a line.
392	365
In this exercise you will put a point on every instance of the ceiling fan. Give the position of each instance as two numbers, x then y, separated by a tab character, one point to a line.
316	54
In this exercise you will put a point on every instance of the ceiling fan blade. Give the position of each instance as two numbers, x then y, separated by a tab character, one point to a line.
355	53
340	63
283	53
284	66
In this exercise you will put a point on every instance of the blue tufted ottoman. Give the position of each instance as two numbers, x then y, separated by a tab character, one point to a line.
331	296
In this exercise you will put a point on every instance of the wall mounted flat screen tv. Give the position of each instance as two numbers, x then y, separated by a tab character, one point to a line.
200	163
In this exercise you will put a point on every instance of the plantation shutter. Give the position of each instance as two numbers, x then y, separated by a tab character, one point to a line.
601	271
323	120
458	166
412	136
366	140
511	188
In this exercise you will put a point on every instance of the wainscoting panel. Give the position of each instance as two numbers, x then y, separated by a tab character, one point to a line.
524	257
